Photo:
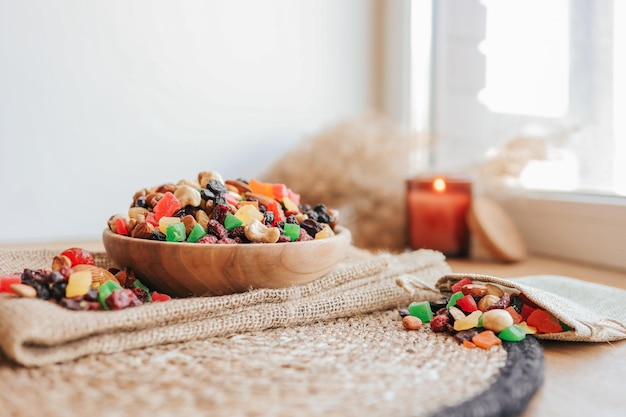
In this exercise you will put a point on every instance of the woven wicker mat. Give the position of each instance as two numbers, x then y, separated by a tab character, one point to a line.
364	365
357	364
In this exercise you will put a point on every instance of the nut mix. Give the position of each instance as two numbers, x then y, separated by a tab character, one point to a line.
74	282
211	210
482	315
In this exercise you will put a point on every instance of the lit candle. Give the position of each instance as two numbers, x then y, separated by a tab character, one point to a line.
437	214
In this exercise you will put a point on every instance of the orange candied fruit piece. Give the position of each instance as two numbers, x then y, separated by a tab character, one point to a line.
486	339
468	344
262	188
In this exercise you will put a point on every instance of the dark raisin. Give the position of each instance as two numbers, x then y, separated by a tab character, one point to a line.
435	306
322	214
216	186
141	202
465	335
268	217
517	303
207	195
403	312
311	226
43	291
158	235
55	277
57	290
291	219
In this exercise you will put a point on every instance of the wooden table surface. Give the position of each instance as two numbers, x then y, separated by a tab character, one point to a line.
581	379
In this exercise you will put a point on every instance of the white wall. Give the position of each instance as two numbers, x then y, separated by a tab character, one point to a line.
101	98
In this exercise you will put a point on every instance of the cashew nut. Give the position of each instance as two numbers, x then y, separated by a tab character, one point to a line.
258	232
205	176
188	196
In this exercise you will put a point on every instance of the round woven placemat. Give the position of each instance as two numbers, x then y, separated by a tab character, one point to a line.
363	365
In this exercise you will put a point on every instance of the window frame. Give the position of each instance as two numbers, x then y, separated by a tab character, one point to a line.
583	228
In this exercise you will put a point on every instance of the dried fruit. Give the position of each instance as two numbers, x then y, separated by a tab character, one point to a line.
79	256
411	323
486	339
440	323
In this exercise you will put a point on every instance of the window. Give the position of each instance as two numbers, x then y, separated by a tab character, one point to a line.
553	73
534	91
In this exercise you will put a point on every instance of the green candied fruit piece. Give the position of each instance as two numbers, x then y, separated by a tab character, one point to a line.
292	230
421	310
105	290
454	298
196	233
176	232
139	284
513	333
231	221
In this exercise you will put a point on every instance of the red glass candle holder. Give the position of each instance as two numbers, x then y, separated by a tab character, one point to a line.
437	210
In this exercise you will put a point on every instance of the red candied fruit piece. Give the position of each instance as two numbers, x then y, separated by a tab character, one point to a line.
279	214
526	311
151	219
79	256
544	322
166	206
121	226
158	297
464	281
280	191
8	280
467	303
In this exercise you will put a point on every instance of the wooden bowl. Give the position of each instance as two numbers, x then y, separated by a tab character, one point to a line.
192	269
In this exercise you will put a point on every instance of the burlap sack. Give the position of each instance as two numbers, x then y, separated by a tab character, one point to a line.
594	312
35	333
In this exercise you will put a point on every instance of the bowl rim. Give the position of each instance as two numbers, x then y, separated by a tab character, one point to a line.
340	231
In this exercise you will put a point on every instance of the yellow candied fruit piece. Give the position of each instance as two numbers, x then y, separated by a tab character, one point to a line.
78	284
247	213
528	329
468	322
290	205
325	232
166	221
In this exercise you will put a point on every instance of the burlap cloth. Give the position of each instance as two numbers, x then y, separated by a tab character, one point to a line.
332	347
35	333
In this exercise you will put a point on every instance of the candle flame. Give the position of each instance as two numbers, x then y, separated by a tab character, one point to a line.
439	185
